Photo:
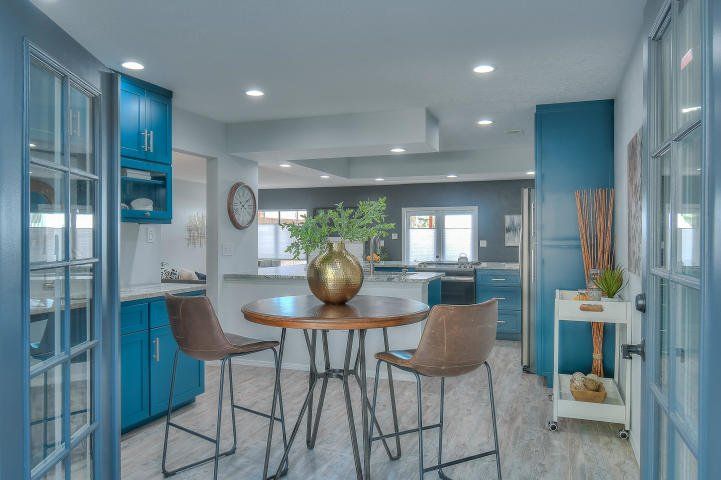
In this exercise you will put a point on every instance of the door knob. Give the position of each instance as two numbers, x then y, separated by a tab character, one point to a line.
629	349
641	302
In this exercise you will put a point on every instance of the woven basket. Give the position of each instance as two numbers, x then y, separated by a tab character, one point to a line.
590	395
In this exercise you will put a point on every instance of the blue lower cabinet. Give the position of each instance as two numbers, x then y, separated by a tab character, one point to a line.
147	363
189	377
134	379
504	286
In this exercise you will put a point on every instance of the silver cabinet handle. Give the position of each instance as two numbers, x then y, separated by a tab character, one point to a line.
500	298
144	133
157	349
501	321
152	140
147	214
498	279
77	116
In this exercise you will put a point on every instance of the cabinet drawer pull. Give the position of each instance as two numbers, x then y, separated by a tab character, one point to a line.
498	279
147	214
586	307
500	298
144	133
157	349
152	141
501	321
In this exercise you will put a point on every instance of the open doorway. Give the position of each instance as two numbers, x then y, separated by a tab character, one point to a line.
183	242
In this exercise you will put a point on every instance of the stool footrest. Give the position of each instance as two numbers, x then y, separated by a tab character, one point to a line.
404	432
460	460
256	412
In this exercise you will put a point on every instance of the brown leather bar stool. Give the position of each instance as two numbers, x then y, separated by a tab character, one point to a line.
199	335
456	340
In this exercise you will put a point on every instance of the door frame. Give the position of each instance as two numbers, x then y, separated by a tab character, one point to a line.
709	436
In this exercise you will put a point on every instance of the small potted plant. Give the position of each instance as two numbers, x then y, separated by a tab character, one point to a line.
334	275
610	282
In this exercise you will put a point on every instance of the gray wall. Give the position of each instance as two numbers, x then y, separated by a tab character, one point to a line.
19	19
494	200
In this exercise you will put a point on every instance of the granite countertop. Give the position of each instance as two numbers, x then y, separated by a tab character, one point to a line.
157	290
298	272
498	266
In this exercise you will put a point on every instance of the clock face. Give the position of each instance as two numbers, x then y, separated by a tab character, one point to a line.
241	205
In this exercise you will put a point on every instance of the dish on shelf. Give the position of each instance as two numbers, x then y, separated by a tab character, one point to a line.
142	203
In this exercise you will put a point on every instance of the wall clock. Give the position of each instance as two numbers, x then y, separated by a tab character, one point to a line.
241	205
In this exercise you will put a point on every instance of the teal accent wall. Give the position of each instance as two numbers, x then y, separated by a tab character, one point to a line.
574	150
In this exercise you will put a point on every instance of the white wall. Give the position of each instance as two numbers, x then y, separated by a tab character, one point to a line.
139	257
628	120
189	198
207	138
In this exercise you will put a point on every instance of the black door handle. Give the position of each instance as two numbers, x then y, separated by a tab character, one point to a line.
629	349
641	302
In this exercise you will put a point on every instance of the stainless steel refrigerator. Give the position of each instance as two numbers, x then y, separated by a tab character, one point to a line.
527	254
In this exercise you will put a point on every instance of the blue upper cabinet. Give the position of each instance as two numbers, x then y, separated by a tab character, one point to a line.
146	152
145	121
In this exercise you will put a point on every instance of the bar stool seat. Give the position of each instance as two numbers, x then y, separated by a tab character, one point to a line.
249	345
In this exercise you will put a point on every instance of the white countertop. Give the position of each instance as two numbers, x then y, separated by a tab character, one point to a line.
140	292
298	272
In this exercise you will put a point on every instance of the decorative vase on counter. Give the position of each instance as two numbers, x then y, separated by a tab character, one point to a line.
335	276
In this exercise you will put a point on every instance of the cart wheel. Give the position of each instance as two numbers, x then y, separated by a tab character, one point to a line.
623	434
552	426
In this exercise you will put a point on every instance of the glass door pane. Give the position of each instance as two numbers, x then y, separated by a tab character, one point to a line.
44	114
688	153
47	308
47	215
686	324
688	61
80	128
82	217
46	414
664	86
661	197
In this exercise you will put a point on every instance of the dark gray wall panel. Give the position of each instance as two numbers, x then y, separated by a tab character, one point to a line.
494	200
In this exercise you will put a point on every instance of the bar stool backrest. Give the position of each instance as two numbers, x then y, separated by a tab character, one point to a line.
196	327
456	339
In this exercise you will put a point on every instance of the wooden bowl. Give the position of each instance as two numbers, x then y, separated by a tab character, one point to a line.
589	395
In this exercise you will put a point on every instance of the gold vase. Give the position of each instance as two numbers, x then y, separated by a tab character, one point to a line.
335	276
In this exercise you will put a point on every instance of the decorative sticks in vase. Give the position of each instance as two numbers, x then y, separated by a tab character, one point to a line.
595	229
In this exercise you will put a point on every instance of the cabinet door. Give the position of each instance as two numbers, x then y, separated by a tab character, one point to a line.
133	138
133	317
159	128
146	191
134	378
189	379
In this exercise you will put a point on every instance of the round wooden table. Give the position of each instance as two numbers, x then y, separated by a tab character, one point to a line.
362	313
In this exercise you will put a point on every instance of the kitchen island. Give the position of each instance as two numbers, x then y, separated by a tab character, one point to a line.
241	288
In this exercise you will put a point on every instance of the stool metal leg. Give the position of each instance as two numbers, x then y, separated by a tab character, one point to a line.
169	423
392	392
232	403
440	430
420	426
493	414
220	416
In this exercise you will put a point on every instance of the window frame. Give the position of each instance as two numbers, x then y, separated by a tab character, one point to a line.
440	213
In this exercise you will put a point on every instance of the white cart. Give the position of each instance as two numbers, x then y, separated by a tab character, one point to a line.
616	408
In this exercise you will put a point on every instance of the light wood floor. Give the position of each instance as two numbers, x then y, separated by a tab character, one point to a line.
579	450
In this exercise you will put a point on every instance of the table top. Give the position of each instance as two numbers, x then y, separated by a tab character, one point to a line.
360	313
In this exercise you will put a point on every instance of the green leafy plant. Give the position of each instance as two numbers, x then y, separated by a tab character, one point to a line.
359	224
610	281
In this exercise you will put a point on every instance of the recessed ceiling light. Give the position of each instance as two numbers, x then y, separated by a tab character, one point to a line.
485	123
530	172
325	177
285	165
483	69
131	65
32	145
255	93
452	175
398	149
379	179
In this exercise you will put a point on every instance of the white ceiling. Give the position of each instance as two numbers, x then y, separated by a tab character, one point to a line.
319	57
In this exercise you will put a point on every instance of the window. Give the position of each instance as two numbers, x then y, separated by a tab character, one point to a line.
272	239
439	234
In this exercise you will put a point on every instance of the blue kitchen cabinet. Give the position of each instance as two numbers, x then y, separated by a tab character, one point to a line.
147	352
505	287
134	379
145	121
146	191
